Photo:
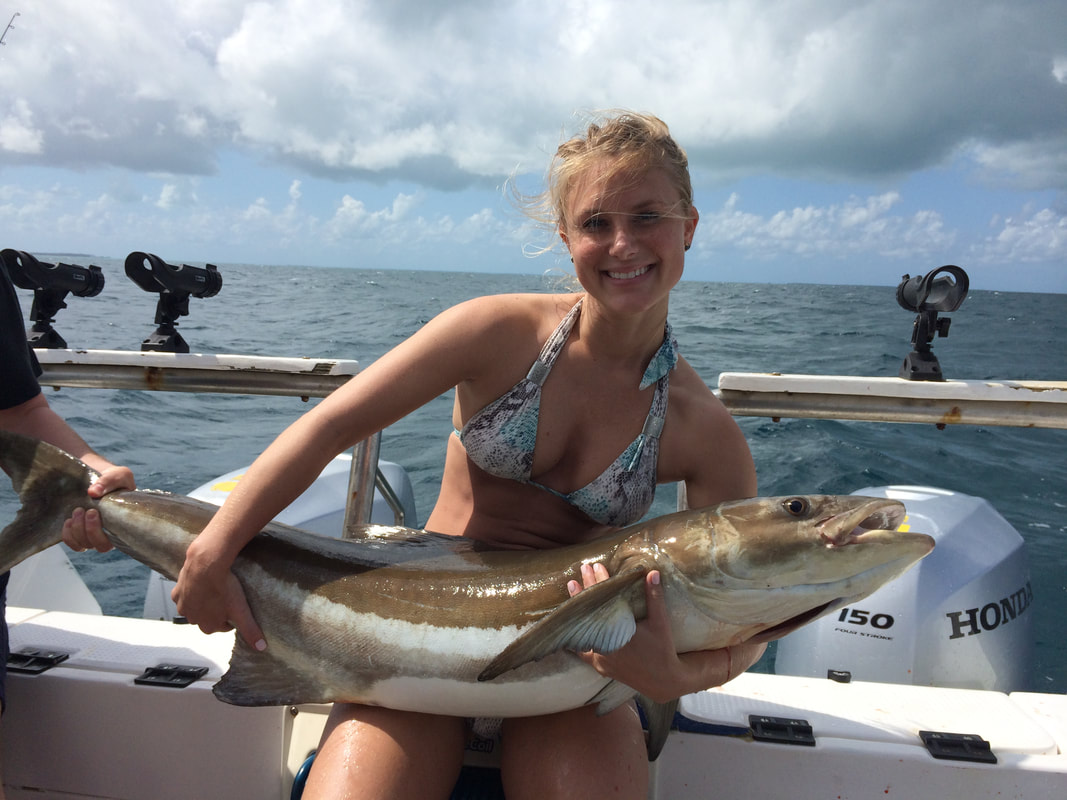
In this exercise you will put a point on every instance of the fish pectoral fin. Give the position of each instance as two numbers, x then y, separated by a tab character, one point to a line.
660	719
598	618
260	679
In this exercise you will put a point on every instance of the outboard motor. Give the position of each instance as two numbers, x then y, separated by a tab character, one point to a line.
960	618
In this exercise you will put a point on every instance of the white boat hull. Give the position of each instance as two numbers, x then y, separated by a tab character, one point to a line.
123	741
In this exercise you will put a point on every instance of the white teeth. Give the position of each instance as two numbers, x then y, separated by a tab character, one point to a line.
625	275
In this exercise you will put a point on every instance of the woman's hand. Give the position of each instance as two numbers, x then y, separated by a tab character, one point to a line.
649	663
83	530
209	595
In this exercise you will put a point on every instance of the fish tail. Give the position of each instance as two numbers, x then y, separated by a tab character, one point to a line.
50	484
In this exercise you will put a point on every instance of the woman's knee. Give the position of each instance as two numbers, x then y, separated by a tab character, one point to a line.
575	754
371	752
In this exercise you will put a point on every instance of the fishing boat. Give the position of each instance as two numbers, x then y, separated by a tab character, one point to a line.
919	693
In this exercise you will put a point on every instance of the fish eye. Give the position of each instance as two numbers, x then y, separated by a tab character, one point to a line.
797	506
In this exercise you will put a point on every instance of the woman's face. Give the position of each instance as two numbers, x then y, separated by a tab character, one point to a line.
628	235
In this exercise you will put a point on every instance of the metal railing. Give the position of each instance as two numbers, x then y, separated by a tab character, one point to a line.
1032	404
229	374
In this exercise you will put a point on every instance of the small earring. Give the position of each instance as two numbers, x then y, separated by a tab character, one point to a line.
688	245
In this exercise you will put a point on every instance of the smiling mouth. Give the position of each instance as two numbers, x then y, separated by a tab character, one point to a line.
623	276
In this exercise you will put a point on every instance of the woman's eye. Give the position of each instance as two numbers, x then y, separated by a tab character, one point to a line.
593	223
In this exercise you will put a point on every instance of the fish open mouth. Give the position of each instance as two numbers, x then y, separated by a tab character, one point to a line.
852	527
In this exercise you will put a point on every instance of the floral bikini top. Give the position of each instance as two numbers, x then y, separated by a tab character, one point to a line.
500	438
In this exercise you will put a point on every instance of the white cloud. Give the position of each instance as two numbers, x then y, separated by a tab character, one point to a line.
352	219
177	192
446	95
839	231
258	211
1059	69
1023	164
1033	236
20	208
136	107
17	131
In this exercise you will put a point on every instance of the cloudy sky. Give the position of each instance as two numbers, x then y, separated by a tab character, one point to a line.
831	141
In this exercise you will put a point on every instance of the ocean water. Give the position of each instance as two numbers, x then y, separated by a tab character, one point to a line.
178	441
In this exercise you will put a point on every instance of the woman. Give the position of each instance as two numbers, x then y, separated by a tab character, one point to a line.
529	466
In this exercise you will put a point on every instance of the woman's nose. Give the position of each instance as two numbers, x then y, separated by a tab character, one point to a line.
623	240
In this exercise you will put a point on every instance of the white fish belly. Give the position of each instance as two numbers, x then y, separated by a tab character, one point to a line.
546	694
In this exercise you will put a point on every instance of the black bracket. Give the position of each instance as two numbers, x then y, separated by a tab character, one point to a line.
781	730
33	662
958	747
173	676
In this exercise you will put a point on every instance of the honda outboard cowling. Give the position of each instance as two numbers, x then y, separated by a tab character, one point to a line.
961	618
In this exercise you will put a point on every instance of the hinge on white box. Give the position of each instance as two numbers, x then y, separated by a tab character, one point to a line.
34	662
958	746
174	676
781	730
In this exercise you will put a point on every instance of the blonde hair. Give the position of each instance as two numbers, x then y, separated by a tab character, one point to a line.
624	141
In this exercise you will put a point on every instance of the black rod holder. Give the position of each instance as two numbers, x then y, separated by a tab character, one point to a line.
50	284
940	290
175	286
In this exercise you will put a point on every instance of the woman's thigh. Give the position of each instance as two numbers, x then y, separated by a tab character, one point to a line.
370	752
575	754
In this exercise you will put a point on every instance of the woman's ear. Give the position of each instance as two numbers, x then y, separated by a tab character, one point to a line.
691	223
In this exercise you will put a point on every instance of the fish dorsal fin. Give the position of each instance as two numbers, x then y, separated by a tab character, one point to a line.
259	679
598	618
373	545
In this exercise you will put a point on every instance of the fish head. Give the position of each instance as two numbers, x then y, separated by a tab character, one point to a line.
763	567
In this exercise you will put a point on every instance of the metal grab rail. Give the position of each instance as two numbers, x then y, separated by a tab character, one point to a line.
228	374
1032	404
185	372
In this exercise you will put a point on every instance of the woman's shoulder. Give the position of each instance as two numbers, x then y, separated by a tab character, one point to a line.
705	445
504	313
690	390
697	411
519	302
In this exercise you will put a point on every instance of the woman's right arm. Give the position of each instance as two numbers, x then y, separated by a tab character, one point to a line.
453	347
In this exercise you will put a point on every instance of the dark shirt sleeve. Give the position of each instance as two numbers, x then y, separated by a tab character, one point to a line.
18	365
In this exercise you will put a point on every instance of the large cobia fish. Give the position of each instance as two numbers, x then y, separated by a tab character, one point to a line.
433	623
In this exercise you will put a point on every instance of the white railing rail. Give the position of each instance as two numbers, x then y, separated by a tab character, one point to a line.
227	374
1033	404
